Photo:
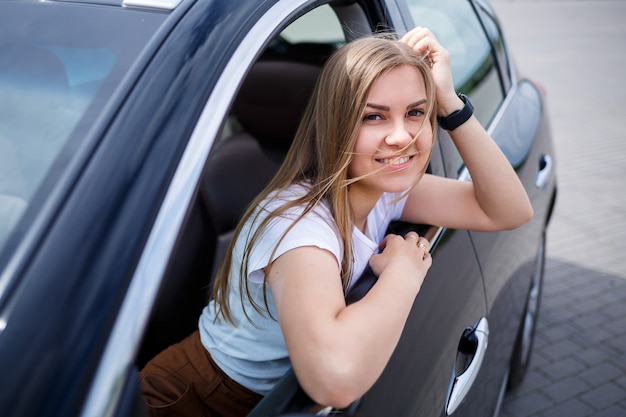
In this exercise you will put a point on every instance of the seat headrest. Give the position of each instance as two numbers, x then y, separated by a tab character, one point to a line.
237	170
272	99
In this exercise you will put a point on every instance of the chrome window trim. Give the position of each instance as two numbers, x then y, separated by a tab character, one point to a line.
156	4
120	351
152	4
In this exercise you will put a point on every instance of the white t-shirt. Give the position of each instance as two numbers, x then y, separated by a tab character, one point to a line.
254	354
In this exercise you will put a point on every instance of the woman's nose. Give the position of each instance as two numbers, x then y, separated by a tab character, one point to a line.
399	136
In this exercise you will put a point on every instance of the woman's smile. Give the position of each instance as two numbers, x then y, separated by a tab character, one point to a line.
396	162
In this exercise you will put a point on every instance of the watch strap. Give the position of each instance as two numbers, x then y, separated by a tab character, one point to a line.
458	117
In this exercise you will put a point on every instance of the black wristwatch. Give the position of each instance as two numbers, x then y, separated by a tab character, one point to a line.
458	117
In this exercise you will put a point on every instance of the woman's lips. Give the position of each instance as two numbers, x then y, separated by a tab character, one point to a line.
395	162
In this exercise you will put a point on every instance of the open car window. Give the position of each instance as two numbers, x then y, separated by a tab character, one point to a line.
256	132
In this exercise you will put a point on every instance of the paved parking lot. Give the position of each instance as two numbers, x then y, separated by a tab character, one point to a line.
578	366
576	49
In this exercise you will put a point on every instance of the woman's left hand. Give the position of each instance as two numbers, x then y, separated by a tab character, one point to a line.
424	42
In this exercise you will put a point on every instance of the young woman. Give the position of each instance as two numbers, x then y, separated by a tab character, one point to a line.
357	162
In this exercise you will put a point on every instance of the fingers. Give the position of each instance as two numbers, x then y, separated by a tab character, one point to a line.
410	250
420	242
412	236
419	40
424	43
415	35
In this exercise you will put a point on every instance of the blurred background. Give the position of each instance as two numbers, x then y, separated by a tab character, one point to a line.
576	49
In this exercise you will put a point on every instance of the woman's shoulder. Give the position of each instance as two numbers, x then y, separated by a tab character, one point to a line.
289	193
282	209
284	227
285	197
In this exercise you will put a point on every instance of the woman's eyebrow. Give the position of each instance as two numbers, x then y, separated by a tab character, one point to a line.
386	108
417	103
377	106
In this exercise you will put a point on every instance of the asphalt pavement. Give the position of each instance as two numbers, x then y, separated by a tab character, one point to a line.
577	51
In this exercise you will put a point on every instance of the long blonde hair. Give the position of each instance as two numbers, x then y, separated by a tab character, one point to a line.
322	151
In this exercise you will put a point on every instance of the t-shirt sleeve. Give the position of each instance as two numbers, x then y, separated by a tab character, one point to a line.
313	229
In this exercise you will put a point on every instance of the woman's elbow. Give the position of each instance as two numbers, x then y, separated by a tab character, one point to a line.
526	213
337	388
333	394
529	213
521	216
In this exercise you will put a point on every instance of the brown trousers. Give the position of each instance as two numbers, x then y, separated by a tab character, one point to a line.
183	381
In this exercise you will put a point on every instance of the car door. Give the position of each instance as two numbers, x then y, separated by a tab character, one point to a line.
430	362
177	111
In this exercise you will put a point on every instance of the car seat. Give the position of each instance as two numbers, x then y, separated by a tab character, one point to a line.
269	107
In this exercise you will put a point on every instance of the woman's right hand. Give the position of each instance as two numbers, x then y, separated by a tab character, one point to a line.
407	255
424	42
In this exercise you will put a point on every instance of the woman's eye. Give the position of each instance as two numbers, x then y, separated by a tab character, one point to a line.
415	113
371	117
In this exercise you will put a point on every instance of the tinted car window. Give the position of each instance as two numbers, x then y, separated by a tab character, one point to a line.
53	86
473	65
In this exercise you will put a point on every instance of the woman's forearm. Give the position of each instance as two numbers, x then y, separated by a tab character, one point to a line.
497	188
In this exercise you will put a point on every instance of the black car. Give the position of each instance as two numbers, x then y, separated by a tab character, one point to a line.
133	134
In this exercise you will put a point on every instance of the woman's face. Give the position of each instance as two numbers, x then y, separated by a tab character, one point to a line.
393	115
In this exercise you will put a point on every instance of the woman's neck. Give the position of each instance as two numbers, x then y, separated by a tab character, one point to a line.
362	201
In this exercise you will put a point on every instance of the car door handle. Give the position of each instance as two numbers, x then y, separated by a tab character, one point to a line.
472	347
544	171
